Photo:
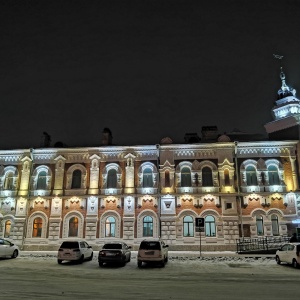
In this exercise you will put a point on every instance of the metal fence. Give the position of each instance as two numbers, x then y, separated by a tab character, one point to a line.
261	244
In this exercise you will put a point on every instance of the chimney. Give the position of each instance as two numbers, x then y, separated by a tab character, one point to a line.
46	140
106	137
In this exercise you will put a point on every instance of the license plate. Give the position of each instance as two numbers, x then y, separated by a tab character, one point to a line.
110	254
149	252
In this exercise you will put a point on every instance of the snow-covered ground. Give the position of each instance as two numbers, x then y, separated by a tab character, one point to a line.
186	256
187	275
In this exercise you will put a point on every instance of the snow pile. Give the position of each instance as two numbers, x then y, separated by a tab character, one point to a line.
180	256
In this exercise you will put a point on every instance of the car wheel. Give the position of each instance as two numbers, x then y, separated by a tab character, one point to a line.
59	261
81	259
163	263
129	258
91	257
15	254
278	260
166	259
139	264
100	264
295	263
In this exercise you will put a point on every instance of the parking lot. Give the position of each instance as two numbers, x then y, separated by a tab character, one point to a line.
185	276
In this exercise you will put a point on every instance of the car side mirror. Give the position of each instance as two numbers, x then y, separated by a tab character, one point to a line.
12	244
129	247
166	245
89	246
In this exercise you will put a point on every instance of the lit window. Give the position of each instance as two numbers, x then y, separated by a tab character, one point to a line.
112	179
7	229
188	226
275	227
167	178
226	177
148	226
186	177
41	181
207	179
147	178
251	175
76	180
37	227
110	227
73	227
273	175
259	225
210	226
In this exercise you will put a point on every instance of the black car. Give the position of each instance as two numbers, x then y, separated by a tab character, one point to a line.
115	252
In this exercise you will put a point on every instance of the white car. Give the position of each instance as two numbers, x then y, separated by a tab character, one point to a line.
74	251
289	253
7	248
152	251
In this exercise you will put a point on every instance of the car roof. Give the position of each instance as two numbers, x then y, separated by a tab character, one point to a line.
114	243
73	241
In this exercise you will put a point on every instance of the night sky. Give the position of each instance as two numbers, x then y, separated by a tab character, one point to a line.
144	69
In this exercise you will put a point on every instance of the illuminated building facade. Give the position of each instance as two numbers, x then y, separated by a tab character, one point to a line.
107	193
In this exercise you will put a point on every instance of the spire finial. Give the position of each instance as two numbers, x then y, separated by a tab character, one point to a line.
285	90
282	75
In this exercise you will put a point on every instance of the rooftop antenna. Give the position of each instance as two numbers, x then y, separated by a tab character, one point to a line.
279	57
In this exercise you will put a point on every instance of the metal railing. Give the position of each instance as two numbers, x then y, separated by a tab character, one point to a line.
260	244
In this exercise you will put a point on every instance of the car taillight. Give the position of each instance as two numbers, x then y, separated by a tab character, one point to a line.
119	253
102	253
60	249
76	250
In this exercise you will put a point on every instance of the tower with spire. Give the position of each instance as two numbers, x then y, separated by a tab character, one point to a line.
286	114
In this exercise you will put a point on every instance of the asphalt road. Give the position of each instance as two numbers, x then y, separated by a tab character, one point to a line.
42	278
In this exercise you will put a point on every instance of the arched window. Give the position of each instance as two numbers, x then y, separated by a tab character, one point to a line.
275	227
251	175
76	180
226	177
273	175
7	228
210	226
147	226
9	180
207	179
110	227
147	178
112	179
188	226
37	227
260	225
73	227
186	177
167	178
41	181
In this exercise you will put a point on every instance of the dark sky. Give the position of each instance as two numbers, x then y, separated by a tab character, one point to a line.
144	69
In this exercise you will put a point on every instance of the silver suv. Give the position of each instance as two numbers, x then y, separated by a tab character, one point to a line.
152	251
289	253
74	250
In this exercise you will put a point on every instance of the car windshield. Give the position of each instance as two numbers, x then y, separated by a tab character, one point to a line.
112	246
150	246
69	245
